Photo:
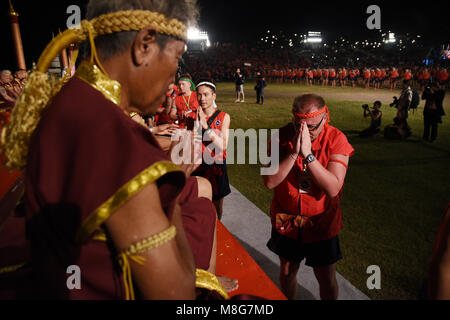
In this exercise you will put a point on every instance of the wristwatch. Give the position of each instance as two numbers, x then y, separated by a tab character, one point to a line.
309	158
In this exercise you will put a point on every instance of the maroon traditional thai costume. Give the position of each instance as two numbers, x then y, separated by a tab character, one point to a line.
86	159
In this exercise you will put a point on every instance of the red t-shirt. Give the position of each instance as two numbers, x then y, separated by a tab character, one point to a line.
162	118
298	195
187	104
407	75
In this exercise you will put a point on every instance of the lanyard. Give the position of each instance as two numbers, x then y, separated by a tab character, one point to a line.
188	101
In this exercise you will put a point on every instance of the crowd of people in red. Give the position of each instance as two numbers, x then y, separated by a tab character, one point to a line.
220	63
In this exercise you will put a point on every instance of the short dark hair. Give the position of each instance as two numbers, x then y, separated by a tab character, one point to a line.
113	44
378	103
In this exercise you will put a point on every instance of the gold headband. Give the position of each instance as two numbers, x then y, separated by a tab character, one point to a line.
15	136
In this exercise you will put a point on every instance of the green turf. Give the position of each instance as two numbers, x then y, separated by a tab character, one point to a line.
394	195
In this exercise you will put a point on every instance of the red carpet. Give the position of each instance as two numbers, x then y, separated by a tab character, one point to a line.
234	262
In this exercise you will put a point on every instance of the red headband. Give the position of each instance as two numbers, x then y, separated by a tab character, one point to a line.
312	115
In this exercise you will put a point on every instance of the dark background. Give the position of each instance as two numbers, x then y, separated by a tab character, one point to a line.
244	21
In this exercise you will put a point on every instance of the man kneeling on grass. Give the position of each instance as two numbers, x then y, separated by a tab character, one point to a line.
305	213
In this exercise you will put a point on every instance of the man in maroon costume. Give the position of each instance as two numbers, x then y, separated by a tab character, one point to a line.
97	191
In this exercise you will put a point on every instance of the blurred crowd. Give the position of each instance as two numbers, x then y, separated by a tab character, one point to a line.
11	86
282	66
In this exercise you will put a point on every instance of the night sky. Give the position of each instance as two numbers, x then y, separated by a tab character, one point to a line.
244	20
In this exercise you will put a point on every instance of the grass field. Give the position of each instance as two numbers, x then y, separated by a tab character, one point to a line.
395	191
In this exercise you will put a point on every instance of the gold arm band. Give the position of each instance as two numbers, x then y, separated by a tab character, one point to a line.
132	252
152	242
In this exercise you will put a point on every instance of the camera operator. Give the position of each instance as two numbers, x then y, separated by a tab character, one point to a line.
375	123
433	110
404	101
398	130
403	104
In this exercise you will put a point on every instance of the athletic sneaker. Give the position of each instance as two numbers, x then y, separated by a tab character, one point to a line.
237	101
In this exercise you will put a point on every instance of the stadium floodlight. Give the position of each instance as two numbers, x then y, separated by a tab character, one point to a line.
391	37
194	34
314	40
314	37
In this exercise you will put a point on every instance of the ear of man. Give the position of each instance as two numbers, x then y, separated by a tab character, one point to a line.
145	46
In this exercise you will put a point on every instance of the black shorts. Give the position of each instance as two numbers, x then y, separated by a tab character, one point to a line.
317	254
219	182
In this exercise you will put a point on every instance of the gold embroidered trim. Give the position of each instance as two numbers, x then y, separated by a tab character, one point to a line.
11	268
93	76
102	213
206	280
